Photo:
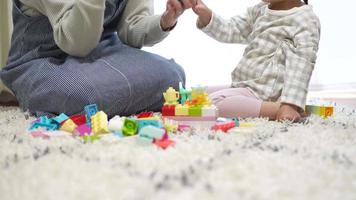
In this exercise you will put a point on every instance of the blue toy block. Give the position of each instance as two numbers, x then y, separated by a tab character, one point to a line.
152	132
60	118
118	134
90	110
148	122
144	140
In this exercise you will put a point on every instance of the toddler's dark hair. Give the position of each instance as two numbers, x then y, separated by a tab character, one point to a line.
306	1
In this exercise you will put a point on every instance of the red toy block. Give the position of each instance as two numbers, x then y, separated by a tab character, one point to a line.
168	110
145	115
225	126
78	119
164	143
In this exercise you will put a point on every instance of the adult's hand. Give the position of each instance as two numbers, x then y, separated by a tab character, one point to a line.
174	9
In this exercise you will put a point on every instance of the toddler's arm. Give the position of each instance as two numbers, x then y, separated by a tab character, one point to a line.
235	30
77	25
300	61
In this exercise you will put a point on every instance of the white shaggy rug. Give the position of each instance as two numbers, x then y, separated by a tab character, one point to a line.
314	160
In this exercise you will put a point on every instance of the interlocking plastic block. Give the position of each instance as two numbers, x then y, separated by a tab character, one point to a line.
225	126
68	126
91	138
152	132
118	134
78	119
116	123
164	143
326	111
90	110
145	115
83	130
144	140
195	111
60	118
209	111
168	110
182	110
99	123
148	122
130	127
237	121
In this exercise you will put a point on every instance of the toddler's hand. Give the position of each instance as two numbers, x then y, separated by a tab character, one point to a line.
288	112
174	9
203	12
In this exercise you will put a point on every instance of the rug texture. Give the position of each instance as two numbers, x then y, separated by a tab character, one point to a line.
311	160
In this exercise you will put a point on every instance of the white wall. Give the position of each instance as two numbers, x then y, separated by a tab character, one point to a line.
208	62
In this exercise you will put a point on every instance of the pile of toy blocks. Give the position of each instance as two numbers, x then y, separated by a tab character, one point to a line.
323	111
93	124
188	103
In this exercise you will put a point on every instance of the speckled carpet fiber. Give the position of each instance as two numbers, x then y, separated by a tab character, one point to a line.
314	160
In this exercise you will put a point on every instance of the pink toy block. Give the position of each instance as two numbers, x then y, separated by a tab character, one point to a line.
82	130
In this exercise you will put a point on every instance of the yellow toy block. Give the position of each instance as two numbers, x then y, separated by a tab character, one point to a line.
326	111
182	110
99	123
68	126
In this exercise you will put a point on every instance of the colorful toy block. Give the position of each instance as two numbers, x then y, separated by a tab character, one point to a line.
195	111
60	118
323	111
185	95
224	126
68	126
118	134
145	140
168	110
83	130
209	111
130	127
237	121
194	105
90	110
164	144
171	96
91	138
152	132
142	122
99	123
78	119
116	123
182	110
145	115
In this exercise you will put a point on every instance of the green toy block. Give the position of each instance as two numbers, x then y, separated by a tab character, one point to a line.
195	111
130	127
